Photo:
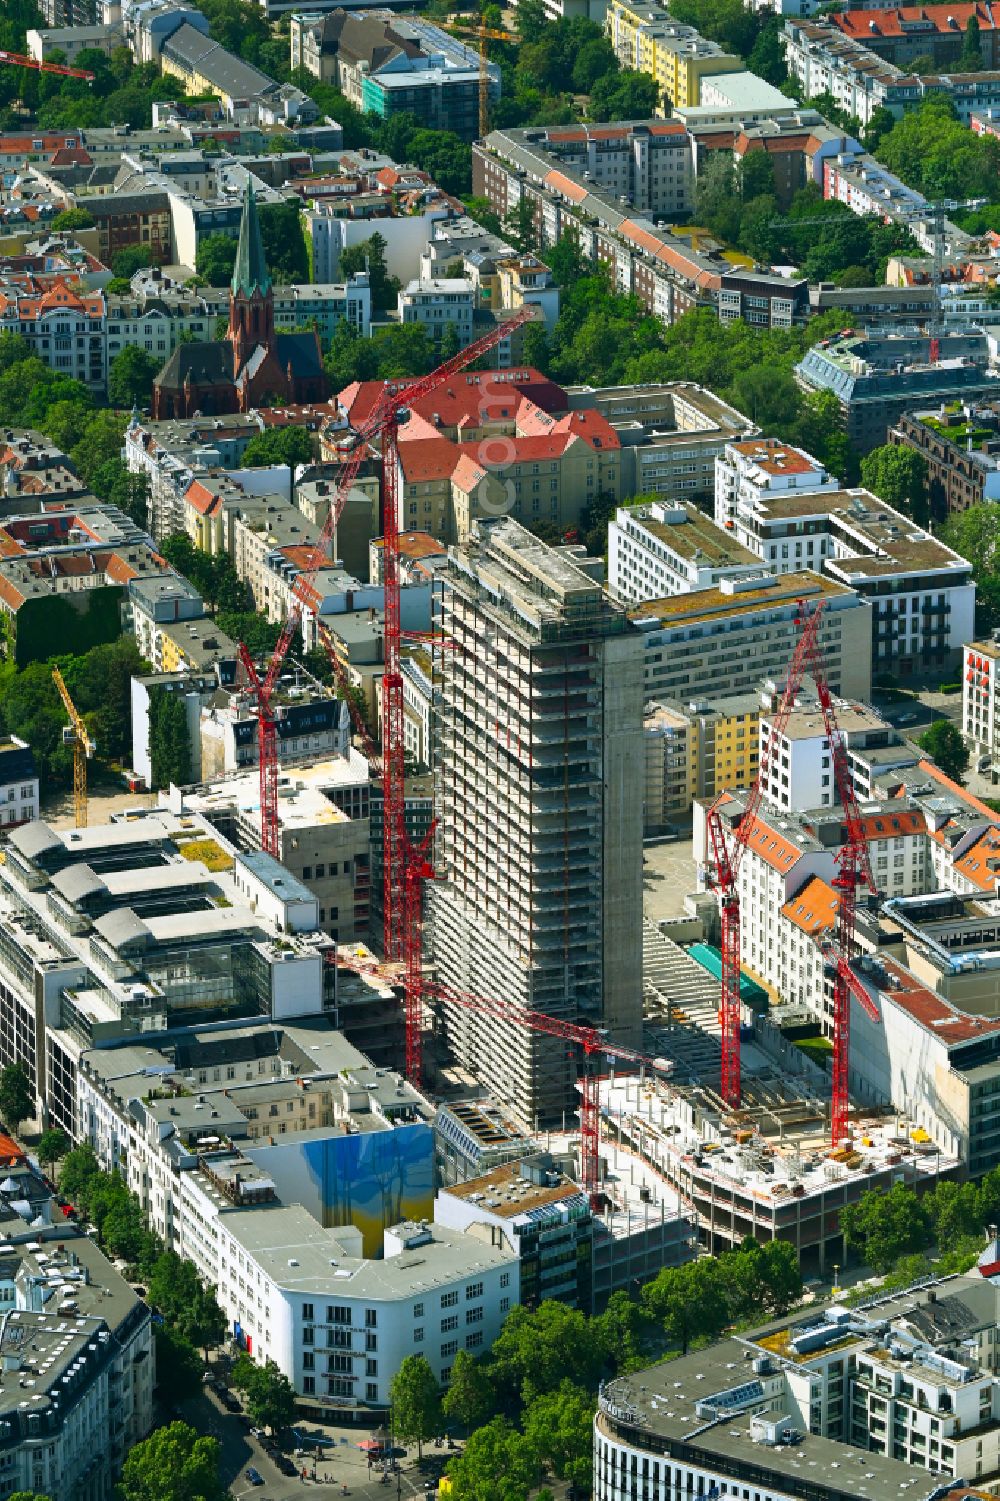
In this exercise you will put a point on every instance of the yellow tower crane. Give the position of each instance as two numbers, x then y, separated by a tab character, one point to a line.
485	34
76	735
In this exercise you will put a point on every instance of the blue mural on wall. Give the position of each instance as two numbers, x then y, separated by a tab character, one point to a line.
370	1180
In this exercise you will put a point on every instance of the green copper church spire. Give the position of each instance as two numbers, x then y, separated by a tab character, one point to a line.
250	271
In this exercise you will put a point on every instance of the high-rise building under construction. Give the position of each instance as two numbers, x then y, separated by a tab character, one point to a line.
538	896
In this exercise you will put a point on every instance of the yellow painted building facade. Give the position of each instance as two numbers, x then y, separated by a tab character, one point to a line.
677	56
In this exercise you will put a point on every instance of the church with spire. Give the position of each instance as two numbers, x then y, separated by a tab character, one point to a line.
254	366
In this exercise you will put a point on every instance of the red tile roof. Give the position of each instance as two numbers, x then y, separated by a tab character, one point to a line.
427	459
201	499
778	852
814	910
560	183
863	25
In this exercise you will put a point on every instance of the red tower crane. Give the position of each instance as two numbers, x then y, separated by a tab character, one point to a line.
590	1040
382	426
854	870
21	60
726	855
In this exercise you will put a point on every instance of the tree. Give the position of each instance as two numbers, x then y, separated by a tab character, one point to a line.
52	1145
114	483
130	377
944	744
16	1095
215	259
369	255
101	439
625	95
756	175
470	1399
898	475
72	218
498	1463
539	1348
174	1464
559	1428
284	243
178	1366
130	260
970	59
287	445
169	738
975	534
688	1301
416	1402
80	1167
767	56
270	1399
882	1227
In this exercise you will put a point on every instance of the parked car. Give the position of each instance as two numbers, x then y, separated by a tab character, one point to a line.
254	1476
284	1464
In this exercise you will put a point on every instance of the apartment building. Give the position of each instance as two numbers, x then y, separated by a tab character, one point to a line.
18	782
743	633
921	592
613	222
695	750
64	325
248	95
980	687
439	303
645	37
388	65
77	1345
839	1403
668	548
962	449
902	34
548	914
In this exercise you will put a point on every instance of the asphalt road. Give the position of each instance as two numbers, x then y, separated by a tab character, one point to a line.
342	1464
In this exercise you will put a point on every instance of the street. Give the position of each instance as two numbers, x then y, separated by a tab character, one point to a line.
342	1469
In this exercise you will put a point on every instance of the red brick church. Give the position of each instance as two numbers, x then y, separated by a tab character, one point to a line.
254	366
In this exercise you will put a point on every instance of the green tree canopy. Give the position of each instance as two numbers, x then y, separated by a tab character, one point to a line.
286	445
369	255
169	738
130	260
16	1095
178	1364
130	377
497	1464
975	534
559	1429
52	1144
943	742
537	1349
174	1464
882	1226
284	242
270	1398
416	1402
470	1399
72	218
215	258
898	475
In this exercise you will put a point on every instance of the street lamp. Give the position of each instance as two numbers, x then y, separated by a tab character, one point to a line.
836	1278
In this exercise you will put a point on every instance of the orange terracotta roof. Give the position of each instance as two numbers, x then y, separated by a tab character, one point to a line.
10	594
302	555
202	500
560	183
416	545
119	570
591	427
468	473
814	910
427	459
893	825
776	851
863	25
683	264
980	863
500	452
966	796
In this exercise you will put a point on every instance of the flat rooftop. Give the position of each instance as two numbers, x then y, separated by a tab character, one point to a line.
710	604
693	535
506	1193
